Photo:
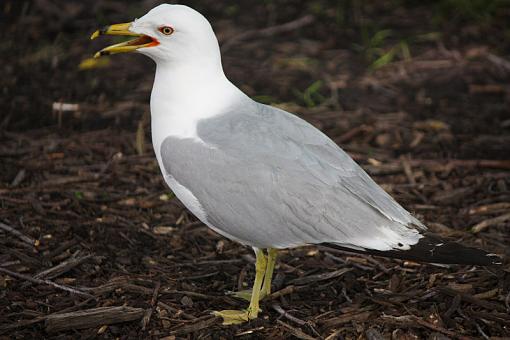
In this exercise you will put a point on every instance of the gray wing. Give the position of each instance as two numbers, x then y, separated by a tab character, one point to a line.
269	179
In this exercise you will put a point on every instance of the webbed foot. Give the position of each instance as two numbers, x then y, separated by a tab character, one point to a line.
235	317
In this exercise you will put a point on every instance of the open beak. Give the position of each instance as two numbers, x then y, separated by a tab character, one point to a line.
140	41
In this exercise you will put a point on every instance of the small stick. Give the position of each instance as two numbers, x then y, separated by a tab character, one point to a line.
185	292
176	311
295	331
498	61
22	323
63	267
320	277
491	221
148	313
408	171
285	314
346	137
437	328
471	299
200	324
46	282
23	237
489	208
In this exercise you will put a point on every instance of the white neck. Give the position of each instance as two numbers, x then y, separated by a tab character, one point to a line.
183	94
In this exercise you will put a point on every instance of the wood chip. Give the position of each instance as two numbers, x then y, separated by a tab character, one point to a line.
320	277
92	318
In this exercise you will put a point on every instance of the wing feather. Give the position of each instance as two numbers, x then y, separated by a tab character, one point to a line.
270	179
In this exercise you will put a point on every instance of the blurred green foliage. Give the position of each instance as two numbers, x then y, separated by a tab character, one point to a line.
311	96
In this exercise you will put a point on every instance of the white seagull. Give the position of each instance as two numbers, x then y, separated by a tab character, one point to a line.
256	174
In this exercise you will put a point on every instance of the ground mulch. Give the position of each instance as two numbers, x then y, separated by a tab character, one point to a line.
94	245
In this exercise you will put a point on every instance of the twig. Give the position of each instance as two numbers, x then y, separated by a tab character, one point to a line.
185	292
359	316
498	61
208	321
147	316
20	176
408	171
285	314
289	26
489	222
23	237
295	331
60	249
284	291
498	317
414	321
176	311
10	263
21	256
489	208
471	299
470	320
346	137
320	277
63	267
22	323
46	282
208	263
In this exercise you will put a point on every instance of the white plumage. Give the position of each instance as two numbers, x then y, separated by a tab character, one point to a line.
193	90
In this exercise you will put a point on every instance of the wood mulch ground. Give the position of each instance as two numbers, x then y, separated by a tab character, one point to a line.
93	244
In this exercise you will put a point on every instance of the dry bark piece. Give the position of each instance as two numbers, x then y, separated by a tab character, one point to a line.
94	317
320	277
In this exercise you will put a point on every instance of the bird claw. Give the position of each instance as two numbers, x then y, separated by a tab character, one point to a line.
235	317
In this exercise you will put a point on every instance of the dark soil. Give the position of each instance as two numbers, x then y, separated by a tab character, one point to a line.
83	204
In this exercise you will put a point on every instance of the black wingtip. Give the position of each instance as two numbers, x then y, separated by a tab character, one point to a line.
433	249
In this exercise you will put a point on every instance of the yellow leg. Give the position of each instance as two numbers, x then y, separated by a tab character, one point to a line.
266	287
232	317
271	261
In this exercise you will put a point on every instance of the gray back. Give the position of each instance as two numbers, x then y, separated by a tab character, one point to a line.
271	179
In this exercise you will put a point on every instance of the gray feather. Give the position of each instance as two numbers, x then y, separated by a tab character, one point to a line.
270	179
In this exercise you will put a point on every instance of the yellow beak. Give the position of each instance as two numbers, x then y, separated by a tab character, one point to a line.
123	47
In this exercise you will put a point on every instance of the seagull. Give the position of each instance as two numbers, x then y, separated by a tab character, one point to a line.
257	174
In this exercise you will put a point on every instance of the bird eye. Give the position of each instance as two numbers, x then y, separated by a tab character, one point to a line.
166	30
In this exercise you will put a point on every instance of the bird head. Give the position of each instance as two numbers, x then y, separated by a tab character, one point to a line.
167	33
